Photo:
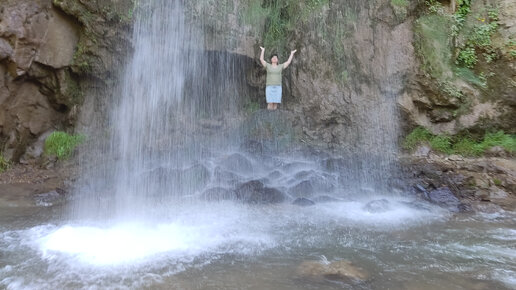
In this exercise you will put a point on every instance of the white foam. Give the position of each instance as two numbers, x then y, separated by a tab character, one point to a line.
397	213
132	243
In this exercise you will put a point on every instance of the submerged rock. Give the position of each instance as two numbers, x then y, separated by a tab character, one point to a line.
377	206
50	198
254	192
338	271
303	202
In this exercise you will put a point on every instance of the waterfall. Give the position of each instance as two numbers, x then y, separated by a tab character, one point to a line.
177	104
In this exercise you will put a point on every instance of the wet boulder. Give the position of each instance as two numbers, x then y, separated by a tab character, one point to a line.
274	175
254	192
223	176
444	197
237	162
50	198
253	147
303	202
302	189
377	206
343	271
218	194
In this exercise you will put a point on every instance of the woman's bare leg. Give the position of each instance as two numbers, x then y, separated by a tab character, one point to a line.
270	106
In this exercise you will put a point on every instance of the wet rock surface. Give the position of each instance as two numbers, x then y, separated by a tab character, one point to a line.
254	192
342	270
458	182
303	202
29	186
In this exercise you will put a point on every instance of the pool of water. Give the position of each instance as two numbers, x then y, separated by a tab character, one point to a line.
228	245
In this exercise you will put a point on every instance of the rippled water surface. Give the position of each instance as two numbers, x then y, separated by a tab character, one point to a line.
227	245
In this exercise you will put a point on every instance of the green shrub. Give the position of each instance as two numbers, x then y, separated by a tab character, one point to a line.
467	57
508	142
62	144
460	144
467	147
416	137
441	143
4	164
434	6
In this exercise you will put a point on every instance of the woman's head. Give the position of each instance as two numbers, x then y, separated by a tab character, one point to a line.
274	58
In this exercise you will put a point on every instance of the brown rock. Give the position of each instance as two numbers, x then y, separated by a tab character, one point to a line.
496	151
60	40
5	49
339	270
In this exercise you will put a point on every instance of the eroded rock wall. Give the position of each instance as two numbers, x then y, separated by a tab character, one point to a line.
352	61
448	96
357	65
54	55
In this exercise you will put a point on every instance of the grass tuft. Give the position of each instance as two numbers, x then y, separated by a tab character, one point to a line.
4	163
462	145
62	144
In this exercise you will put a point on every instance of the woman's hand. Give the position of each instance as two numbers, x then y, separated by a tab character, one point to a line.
294	51
262	60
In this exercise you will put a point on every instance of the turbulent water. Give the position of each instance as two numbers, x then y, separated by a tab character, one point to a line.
157	209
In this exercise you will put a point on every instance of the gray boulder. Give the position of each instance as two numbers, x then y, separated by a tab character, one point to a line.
254	192
303	202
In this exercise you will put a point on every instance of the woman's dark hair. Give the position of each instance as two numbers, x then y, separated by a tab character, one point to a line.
274	55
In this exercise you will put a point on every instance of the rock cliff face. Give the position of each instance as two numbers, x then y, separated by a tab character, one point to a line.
358	64
54	55
465	74
353	58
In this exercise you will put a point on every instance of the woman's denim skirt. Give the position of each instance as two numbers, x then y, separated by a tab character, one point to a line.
273	94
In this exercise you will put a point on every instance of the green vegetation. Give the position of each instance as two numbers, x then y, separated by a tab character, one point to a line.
279	19
460	144
62	144
433	44
251	107
451	47
400	8
4	164
400	3
467	57
478	37
435	6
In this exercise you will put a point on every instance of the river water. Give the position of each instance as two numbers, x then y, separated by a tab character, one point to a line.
227	245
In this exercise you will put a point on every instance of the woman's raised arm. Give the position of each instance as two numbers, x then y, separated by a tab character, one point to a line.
262	60
287	63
